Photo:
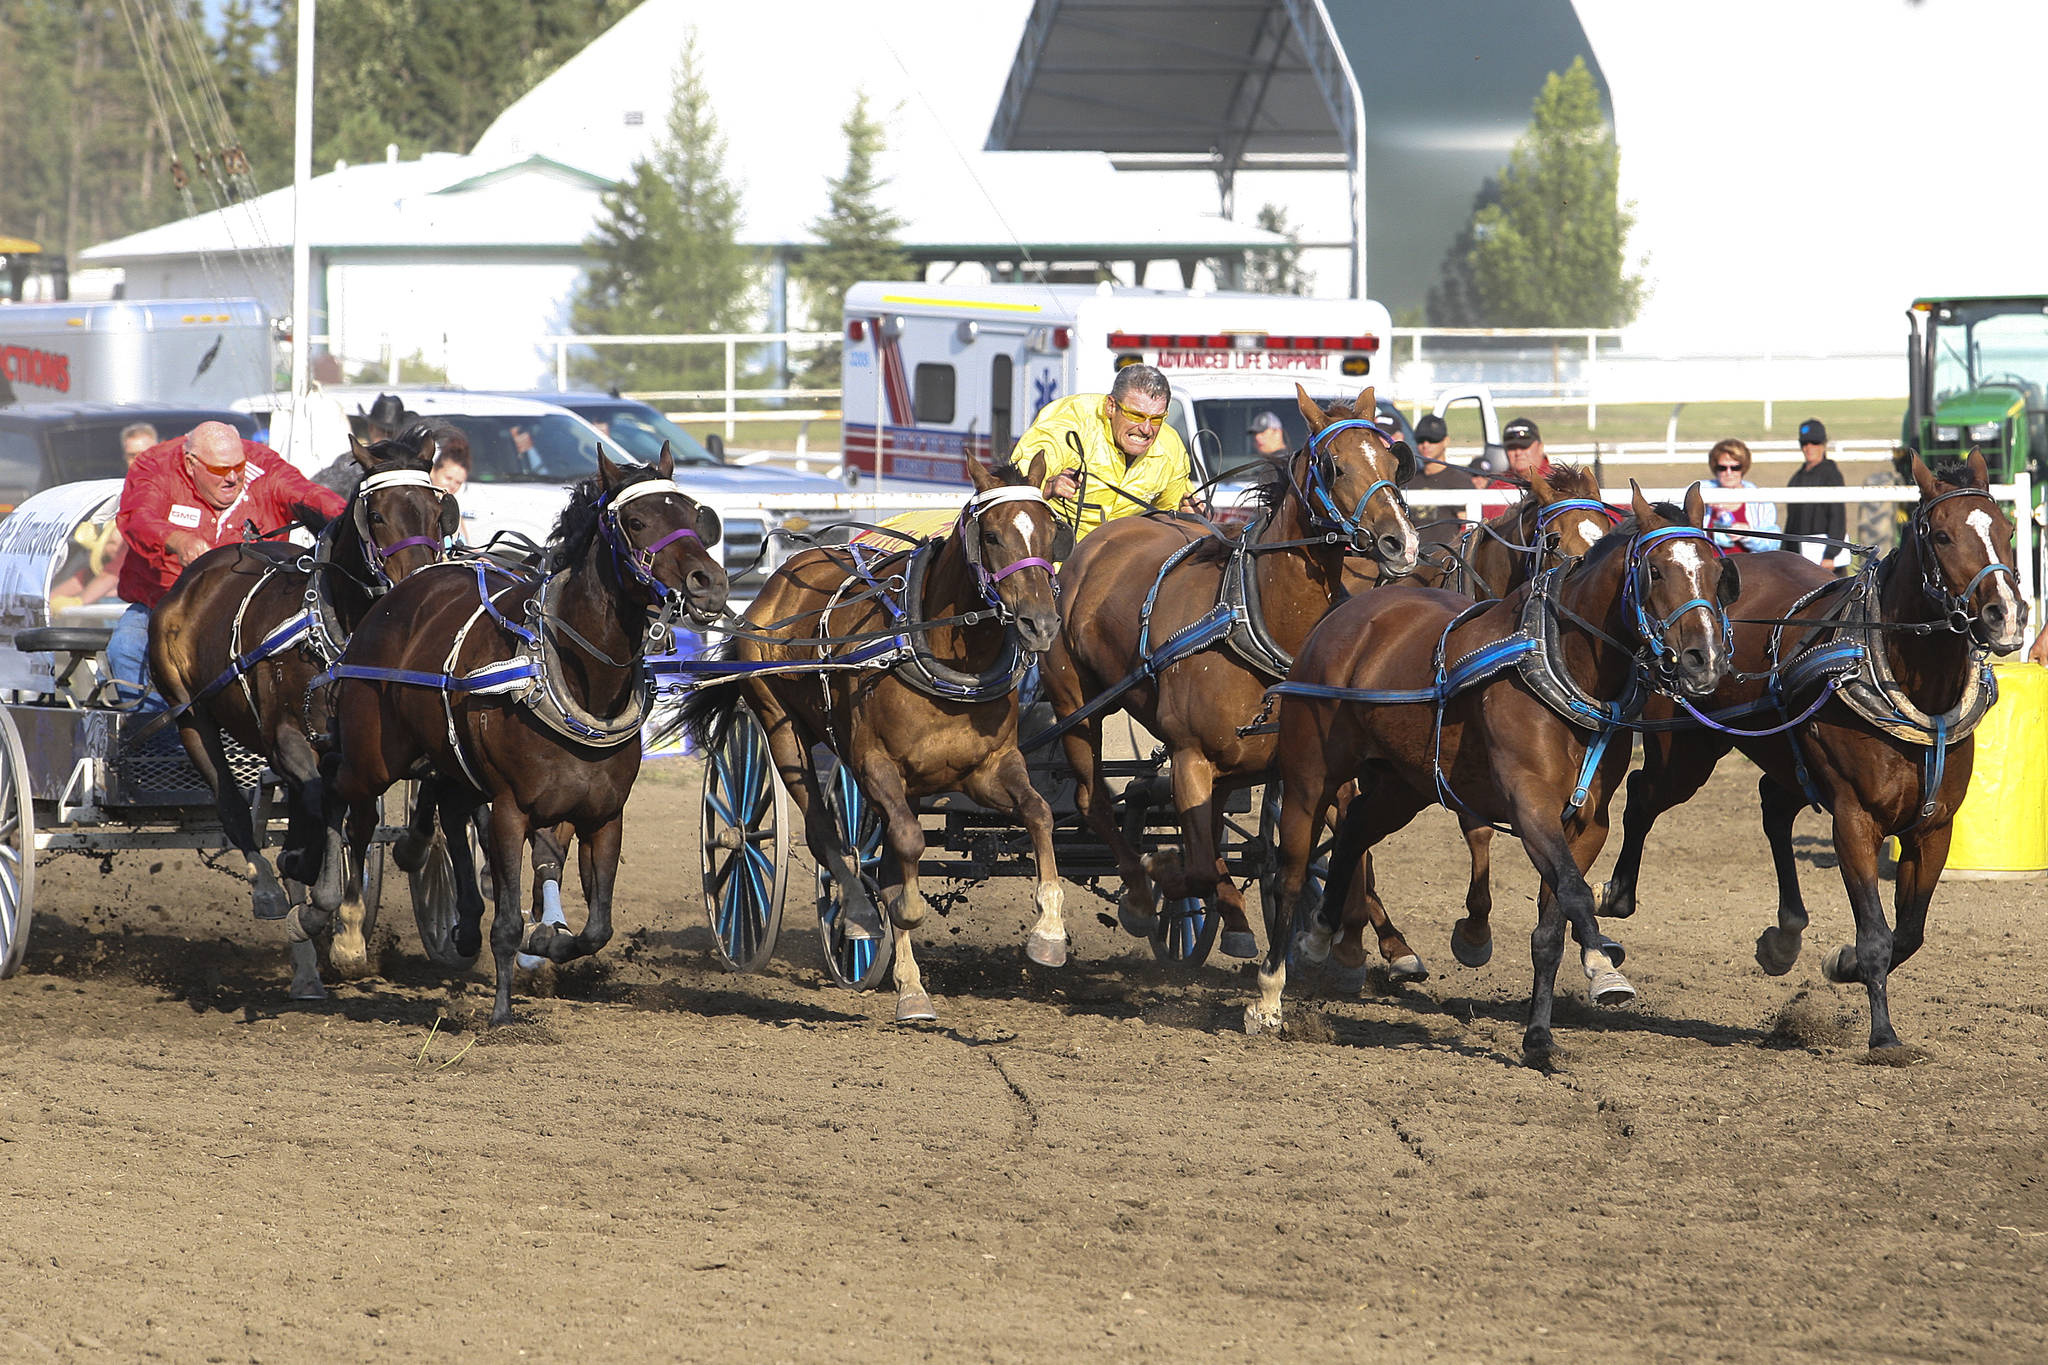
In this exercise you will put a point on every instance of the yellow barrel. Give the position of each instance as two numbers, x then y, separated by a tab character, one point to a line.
2002	828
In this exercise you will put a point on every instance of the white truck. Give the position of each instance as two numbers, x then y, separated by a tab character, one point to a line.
190	352
960	370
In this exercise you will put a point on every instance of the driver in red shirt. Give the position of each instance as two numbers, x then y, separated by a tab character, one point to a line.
186	496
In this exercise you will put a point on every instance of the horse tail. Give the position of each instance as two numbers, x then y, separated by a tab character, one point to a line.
708	709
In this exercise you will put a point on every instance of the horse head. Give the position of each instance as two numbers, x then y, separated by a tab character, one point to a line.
400	519
1349	476
1681	584
660	536
1963	541
1570	518
1005	529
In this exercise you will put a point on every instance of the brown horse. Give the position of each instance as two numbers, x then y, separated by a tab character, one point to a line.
1866	753
1133	584
1423	696
237	642
943	719
523	691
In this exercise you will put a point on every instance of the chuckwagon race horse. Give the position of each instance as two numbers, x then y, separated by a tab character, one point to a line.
1503	711
236	643
1859	697
523	690
1184	629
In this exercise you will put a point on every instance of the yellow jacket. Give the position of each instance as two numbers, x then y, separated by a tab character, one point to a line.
1161	475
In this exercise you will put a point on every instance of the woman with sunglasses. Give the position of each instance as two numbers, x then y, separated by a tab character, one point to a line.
183	497
1729	462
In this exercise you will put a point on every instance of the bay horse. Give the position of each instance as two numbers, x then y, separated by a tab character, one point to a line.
1500	710
524	691
1139	581
236	643
1868	743
935	711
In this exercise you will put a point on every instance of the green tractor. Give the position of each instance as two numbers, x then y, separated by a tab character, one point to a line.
1979	380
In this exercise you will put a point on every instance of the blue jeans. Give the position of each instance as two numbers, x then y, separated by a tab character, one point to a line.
128	659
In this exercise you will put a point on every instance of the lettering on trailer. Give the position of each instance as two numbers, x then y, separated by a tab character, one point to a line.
1265	362
45	369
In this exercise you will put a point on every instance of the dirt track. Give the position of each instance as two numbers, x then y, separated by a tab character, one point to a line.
666	1162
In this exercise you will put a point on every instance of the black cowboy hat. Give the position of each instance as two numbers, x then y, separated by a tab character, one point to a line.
387	412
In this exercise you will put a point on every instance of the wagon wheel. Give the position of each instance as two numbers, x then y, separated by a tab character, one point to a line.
17	847
855	962
745	837
1188	925
1269	834
433	891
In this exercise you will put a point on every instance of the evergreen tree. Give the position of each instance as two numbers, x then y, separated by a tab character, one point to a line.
1550	253
1276	270
856	239
667	258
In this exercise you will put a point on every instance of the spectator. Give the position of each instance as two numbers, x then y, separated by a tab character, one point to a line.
385	419
1830	519
137	437
2039	653
1730	460
1432	470
1524	447
525	458
1269	435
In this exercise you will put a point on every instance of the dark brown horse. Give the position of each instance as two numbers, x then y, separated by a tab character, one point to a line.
523	691
1946	592
945	720
239	638
1643	605
1134	583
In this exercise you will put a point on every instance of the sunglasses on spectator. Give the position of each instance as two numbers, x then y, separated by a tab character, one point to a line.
1143	419
1727	469
219	471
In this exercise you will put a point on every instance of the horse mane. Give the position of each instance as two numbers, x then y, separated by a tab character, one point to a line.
1955	473
575	528
1572	481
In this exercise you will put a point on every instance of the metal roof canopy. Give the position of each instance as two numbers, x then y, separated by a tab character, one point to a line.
1283	89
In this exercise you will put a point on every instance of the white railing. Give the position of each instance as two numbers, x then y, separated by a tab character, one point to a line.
731	414
2017	495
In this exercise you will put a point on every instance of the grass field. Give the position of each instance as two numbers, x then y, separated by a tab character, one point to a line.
1857	420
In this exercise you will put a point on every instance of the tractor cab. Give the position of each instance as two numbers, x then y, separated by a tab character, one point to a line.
1979	380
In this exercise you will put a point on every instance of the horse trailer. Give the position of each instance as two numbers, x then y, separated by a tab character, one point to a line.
191	352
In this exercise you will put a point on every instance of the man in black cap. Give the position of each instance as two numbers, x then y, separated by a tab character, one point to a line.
1817	518
1524	447
1269	435
1432	470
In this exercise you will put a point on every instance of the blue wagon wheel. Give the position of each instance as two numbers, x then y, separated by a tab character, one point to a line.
746	845
855	962
1269	834
1187	932
433	890
17	847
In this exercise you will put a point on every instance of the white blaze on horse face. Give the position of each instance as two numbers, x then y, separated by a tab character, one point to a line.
1693	562
1023	516
1591	528
1979	521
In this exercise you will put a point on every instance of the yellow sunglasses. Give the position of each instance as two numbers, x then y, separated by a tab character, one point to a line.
1143	419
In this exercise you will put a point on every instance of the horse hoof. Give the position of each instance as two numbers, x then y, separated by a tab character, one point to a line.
308	990
1610	987
468	940
1470	952
1237	943
349	956
1616	901
1408	968
915	1009
528	963
1777	951
1313	944
1046	950
1135	923
1346	981
410	853
1840	966
1258	1019
861	921
270	902
306	972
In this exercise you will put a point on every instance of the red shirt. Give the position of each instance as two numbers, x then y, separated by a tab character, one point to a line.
1494	509
160	497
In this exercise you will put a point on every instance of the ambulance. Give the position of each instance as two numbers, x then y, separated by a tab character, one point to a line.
935	373
188	352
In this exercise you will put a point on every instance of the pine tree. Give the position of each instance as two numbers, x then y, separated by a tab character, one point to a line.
667	258
856	235
1276	270
1550	253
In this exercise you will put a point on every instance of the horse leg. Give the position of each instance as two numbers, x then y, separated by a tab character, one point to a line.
203	746
409	850
1137	909
457	807
1472	936
1869	958
599	866
348	951
506	849
1005	785
1305	800
1777	947
1569	899
903	833
1195	872
1358	829
1923	856
1362	907
791	752
549	852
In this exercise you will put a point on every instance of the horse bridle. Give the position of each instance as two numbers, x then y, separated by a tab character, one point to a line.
1955	606
971	545
378	555
636	561
1315	494
1652	630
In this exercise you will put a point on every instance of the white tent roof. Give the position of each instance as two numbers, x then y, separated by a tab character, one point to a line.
933	77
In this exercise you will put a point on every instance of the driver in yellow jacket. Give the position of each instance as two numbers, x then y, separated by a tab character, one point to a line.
1129	456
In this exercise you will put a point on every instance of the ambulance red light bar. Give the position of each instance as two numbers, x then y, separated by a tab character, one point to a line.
1235	341
856	330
